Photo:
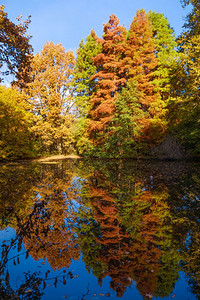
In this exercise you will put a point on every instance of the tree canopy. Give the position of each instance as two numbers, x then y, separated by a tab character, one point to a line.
15	48
49	97
122	95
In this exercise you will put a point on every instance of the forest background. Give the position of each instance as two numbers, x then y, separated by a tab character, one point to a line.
134	92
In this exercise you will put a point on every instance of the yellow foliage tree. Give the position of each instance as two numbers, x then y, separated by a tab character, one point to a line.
49	97
16	140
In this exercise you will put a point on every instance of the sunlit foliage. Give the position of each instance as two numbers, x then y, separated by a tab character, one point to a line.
15	48
49	96
16	139
123	94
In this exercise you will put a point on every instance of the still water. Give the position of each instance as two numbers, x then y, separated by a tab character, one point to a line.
100	229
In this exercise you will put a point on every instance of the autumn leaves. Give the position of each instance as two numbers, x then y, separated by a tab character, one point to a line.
121	95
128	97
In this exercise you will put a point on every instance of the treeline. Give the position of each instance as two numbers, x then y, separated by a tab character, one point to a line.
122	95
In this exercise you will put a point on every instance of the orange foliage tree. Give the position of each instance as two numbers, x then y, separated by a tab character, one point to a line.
141	62
110	79
132	237
15	49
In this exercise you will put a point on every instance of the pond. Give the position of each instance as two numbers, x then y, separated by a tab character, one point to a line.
100	229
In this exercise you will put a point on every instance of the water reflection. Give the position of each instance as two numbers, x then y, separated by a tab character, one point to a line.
134	222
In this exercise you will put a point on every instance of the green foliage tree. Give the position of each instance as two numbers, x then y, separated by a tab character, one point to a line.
84	87
185	105
193	18
166	54
84	69
127	124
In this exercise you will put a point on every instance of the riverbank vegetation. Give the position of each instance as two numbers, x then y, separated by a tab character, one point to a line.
123	95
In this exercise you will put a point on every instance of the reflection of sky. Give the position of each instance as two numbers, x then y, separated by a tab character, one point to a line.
7	234
82	283
76	185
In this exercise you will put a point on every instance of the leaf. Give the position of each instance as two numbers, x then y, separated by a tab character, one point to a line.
28	291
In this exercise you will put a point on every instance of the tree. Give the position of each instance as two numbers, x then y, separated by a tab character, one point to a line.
166	55
84	87
165	44
16	139
140	57
15	50
141	63
127	124
84	69
193	19
110	79
50	99
185	104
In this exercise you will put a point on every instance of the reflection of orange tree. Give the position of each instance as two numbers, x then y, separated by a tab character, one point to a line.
34	200
147	222
112	240
51	234
107	236
133	239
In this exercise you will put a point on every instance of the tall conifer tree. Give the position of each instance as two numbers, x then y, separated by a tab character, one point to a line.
140	57
141	63
110	79
127	124
84	85
165	44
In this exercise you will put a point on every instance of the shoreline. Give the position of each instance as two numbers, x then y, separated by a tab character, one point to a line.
52	158
57	157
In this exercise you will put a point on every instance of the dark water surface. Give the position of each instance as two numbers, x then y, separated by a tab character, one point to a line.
101	229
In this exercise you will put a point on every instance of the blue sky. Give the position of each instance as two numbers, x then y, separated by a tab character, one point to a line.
69	21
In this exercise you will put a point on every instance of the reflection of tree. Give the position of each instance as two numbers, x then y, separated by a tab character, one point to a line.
133	232
112	237
105	235
184	200
132	223
51	233
191	264
16	191
44	223
156	260
39	205
29	290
